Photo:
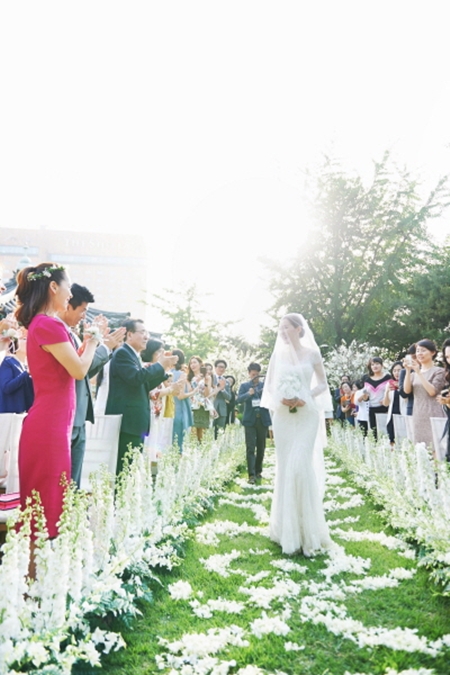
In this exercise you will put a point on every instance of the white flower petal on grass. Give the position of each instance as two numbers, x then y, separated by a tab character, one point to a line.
401	573
269	624
410	554
409	671
220	605
339	562
254	578
263	597
259	551
250	670
334	505
181	590
374	583
220	563
209	532
289	566
293	647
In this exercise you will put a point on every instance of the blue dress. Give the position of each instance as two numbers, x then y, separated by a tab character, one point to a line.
183	415
16	387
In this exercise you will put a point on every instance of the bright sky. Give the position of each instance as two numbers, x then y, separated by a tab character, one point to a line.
191	122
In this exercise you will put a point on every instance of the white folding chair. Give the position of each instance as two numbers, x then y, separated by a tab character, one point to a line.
5	434
439	443
10	430
102	445
399	427
381	420
11	482
409	428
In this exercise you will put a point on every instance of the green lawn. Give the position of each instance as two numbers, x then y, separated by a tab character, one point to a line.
413	604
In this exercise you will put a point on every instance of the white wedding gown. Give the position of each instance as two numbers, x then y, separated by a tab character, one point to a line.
297	520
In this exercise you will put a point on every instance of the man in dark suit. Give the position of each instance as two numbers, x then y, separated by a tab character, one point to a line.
130	384
223	396
76	312
256	421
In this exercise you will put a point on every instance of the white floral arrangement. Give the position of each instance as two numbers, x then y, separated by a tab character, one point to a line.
133	526
10	334
291	386
46	273
93	331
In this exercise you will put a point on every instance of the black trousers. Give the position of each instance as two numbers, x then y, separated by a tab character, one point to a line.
219	423
255	442
373	419
124	441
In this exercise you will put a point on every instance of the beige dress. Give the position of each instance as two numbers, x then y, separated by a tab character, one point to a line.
426	406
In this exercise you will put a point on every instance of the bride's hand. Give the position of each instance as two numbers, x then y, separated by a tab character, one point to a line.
293	402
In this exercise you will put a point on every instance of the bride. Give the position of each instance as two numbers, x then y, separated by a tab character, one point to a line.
296	393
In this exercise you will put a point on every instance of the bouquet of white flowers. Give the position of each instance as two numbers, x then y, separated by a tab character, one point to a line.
11	334
291	386
94	332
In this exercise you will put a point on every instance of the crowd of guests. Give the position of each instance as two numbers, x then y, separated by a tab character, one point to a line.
49	357
414	386
51	362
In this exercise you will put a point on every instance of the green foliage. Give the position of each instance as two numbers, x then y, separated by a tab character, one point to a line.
367	249
189	329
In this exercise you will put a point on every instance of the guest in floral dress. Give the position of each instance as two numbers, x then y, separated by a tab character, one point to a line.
201	382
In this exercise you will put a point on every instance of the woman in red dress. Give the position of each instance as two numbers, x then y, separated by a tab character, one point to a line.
54	364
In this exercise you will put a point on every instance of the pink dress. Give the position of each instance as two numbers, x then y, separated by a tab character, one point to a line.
44	449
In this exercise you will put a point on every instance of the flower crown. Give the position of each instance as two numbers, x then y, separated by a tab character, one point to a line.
45	273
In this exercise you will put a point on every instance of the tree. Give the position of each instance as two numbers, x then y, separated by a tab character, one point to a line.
426	313
189	329
366	248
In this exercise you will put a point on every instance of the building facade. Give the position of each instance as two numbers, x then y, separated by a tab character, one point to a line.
112	266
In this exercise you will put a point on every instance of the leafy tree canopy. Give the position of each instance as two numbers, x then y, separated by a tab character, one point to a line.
189	328
369	264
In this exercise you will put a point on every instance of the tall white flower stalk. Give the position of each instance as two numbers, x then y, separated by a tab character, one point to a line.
107	540
413	488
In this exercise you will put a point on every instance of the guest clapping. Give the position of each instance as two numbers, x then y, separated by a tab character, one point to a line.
44	450
444	397
183	413
130	384
392	399
201	381
374	386
425	381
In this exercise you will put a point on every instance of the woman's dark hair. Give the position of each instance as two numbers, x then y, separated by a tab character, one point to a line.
428	344
151	347
296	321
230	377
374	359
190	374
445	344
80	294
396	363
32	289
359	384
181	358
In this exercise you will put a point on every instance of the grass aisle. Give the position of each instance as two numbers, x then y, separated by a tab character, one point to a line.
236	605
